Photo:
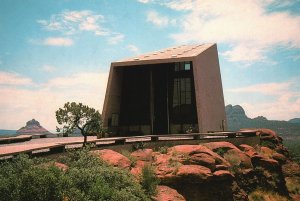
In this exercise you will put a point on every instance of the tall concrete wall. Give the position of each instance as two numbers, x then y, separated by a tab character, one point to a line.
209	92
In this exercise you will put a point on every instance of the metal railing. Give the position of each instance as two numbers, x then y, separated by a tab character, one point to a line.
112	141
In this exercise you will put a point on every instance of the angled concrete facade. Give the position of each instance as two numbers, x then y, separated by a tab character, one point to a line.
170	91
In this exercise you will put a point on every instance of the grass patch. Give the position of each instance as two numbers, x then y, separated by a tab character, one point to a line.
293	185
234	161
149	180
260	195
130	157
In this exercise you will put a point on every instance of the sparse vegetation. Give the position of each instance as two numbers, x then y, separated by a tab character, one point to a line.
131	158
138	145
293	185
234	161
265	143
220	151
260	195
163	150
149	180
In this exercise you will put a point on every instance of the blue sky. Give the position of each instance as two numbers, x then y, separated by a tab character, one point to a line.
52	52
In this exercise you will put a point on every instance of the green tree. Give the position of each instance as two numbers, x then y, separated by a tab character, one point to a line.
78	116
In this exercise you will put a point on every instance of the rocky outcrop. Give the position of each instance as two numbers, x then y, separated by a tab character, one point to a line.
213	171
113	158
33	127
165	193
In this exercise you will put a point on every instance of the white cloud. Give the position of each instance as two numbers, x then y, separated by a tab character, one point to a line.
284	104
159	20
71	22
58	41
295	57
133	48
144	1
246	26
19	104
266	88
116	39
7	78
49	68
244	53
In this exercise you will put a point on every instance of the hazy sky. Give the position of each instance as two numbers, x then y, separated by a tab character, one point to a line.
54	51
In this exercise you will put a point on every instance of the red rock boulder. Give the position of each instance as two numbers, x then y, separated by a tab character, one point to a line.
113	158
165	193
143	154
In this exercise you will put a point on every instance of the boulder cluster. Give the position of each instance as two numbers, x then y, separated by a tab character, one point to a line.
211	171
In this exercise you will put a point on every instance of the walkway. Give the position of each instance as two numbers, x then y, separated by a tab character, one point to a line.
54	145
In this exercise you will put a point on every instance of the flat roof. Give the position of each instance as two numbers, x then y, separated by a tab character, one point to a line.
171	53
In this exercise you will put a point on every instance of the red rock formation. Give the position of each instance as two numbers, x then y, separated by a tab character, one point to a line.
165	193
33	127
198	173
113	158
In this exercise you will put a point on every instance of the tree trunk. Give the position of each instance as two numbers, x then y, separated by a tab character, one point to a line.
85	140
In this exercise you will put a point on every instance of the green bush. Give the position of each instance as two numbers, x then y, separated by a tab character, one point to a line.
86	179
149	180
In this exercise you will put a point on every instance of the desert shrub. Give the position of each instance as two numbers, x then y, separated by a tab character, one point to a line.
24	179
293	185
234	161
130	157
87	178
138	145
260	195
220	151
163	149
265	143
149	180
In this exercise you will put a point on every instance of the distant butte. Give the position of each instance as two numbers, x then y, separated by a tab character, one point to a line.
33	127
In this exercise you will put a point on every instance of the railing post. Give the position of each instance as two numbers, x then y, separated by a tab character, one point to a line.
154	138
120	141
196	137
231	135
57	149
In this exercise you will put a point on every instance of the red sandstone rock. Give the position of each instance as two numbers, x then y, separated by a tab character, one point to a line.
143	154
202	159
113	158
267	152
220	145
165	193
200	154
245	161
221	167
186	149
249	151
223	175
279	157
267	163
163	167
195	173
267	134
137	169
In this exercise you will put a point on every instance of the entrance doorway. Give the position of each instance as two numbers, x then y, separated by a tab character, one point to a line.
160	99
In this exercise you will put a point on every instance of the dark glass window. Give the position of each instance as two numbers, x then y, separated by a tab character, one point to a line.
182	93
187	66
182	66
